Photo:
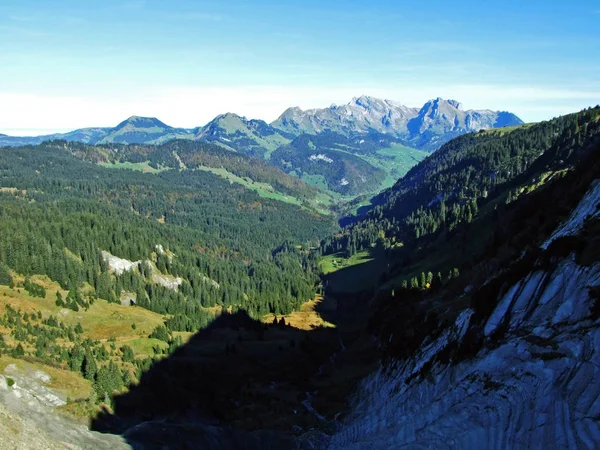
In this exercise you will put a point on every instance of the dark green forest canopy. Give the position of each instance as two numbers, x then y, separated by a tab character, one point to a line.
337	161
230	247
192	154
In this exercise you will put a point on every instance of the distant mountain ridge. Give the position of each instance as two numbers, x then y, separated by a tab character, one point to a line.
134	130
426	128
250	136
352	149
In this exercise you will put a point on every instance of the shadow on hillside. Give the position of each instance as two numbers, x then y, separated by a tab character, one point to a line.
230	383
352	280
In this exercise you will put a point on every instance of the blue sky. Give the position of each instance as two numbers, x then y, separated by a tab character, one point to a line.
70	64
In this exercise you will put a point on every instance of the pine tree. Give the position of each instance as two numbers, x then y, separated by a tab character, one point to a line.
423	281
18	351
414	283
89	366
76	358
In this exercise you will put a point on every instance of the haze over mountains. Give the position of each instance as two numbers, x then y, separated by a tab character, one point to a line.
426	128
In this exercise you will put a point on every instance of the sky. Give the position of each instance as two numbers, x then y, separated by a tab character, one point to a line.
73	64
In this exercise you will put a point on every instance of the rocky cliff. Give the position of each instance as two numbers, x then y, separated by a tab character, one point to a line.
535	382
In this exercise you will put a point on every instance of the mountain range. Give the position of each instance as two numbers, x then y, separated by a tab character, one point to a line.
426	128
357	148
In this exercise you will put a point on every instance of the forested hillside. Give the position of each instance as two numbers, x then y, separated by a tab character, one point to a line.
348	165
104	271
229	246
494	358
366	145
185	154
466	174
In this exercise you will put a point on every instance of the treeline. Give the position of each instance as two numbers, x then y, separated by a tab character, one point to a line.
222	240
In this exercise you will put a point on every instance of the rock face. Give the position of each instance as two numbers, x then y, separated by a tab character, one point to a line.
362	114
534	385
29	420
120	265
435	123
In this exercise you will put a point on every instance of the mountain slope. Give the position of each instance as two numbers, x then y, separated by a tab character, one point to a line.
217	230
438	121
361	114
451	185
253	173
253	137
427	128
104	272
348	165
505	356
139	130
86	135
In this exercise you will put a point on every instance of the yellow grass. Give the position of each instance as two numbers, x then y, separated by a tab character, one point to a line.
307	318
102	321
143	347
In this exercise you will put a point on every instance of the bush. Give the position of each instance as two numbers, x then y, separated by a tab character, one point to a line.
160	333
5	277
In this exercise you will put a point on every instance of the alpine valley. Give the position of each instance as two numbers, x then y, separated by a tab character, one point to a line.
165	288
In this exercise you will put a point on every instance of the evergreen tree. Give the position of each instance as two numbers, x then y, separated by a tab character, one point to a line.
89	366
76	358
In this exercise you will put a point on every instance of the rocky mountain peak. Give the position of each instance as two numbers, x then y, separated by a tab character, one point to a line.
435	106
436	122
